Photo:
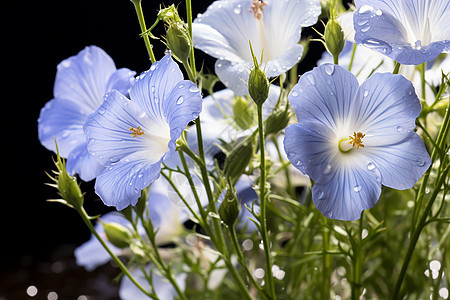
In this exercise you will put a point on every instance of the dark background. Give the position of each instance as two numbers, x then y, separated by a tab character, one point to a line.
37	238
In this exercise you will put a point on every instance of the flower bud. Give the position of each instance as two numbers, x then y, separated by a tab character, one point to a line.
258	85
169	14
117	235
178	41
238	158
276	121
229	209
334	37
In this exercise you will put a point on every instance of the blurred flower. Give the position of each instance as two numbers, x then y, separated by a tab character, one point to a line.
410	32
272	27
133	137
352	139
80	85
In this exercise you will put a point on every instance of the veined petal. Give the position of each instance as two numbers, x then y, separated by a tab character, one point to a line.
324	95
83	78
121	183
109	136
63	121
153	87
385	109
234	75
349	191
81	162
401	165
121	80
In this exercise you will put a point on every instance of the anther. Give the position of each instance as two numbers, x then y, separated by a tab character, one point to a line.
135	132
257	8
355	140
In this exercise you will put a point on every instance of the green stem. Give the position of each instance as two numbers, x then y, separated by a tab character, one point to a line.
263	199
352	58
326	260
358	262
119	263
140	15
189	21
422	69
396	68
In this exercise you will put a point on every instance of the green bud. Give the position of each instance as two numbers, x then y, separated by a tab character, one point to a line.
258	83
334	37
66	185
277	121
117	235
169	14
243	116
178	41
238	158
229	209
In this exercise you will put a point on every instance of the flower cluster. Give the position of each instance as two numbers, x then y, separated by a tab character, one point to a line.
186	173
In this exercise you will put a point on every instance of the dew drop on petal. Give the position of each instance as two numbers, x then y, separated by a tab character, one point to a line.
311	79
237	9
329	69
321	195
180	100
101	110
399	129
326	169
366	93
181	86
370	166
366	28
193	89
420	163
294	94
357	188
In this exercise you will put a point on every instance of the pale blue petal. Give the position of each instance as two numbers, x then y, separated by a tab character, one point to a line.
81	162
348	192
324	95
121	183
401	165
121	80
62	120
383	30
108	130
385	109
307	147
234	75
247	197
83	78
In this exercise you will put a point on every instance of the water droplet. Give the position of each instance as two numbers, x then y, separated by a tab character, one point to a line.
193	89
326	169
420	163
377	45
237	9
366	93
153	67
370	166
152	89
311	79
101	110
357	188
321	195
180	100
366	28
294	94
362	22
378	12
181	86
399	129
329	69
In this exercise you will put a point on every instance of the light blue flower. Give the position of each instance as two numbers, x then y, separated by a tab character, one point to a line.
408	31
81	82
378	118
133	137
273	27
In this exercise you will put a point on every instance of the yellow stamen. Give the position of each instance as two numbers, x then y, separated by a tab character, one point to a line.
135	132
257	8
355	140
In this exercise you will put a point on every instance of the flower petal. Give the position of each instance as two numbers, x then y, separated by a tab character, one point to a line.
81	162
403	164
234	75
109	136
121	183
83	78
324	95
385	109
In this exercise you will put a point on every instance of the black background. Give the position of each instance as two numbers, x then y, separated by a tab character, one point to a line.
36	36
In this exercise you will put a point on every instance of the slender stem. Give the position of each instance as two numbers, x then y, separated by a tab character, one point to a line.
189	21
358	262
140	15
352	58
119	263
422	69
416	234
326	260
396	68
336	59
263	199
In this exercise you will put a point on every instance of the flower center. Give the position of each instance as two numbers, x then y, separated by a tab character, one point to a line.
135	132
356	139
257	8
